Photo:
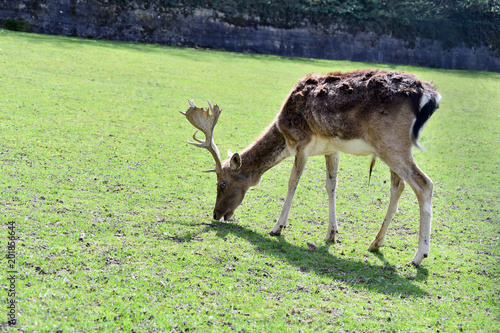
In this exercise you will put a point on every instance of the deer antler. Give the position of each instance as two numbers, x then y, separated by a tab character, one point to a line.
205	122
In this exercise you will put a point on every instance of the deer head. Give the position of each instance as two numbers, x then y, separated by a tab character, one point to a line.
231	183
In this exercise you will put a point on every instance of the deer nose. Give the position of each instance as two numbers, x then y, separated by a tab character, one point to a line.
217	215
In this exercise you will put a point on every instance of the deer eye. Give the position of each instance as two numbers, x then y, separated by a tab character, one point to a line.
222	185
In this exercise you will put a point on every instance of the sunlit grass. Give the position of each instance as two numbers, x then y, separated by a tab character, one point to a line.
113	214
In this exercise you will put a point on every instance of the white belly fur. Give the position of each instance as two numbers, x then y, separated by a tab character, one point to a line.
323	146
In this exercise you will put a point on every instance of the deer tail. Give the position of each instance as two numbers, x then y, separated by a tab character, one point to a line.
425	105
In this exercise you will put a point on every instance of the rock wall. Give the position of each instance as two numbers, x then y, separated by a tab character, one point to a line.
153	23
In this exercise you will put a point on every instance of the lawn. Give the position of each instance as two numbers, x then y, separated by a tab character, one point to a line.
112	215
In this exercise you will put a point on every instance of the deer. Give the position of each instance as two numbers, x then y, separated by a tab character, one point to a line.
364	112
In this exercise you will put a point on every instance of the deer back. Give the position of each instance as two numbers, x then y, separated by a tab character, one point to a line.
348	106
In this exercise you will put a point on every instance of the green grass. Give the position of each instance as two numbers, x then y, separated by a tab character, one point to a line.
92	144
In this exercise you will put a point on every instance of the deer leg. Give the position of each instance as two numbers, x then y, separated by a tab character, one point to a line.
332	165
298	167
397	187
404	166
422	186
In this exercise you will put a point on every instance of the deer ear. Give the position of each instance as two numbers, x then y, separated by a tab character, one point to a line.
235	163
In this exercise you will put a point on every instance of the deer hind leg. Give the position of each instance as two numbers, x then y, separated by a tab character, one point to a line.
332	166
422	186
298	167
397	187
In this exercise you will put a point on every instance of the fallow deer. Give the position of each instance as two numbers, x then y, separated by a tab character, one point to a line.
365	112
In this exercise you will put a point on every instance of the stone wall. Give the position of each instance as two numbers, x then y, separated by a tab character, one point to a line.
206	28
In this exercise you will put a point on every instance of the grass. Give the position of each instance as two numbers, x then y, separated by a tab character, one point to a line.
113	215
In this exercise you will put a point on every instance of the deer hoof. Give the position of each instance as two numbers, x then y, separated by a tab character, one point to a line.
375	246
419	257
412	264
330	238
276	233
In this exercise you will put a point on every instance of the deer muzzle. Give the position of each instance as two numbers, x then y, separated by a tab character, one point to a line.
227	215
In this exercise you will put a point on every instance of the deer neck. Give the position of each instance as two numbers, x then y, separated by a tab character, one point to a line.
268	150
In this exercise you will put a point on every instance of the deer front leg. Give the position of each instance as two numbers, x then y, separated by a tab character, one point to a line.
298	168
332	165
397	187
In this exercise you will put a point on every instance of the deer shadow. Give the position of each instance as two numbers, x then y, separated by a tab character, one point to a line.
383	279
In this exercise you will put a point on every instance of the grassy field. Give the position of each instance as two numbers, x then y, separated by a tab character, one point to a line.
113	219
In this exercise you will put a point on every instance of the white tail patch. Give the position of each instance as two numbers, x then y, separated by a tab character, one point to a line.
426	97
423	100
438	98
